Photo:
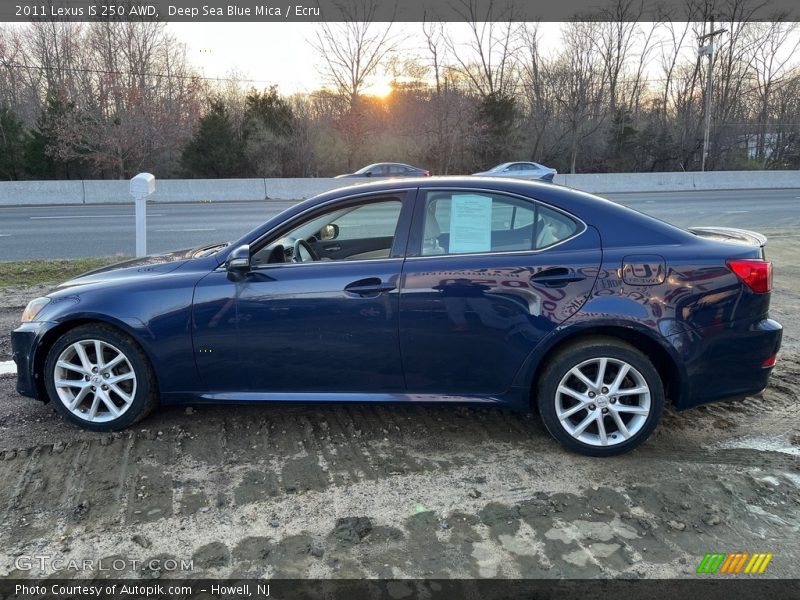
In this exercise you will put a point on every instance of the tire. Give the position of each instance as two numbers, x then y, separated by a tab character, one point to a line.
106	395
573	411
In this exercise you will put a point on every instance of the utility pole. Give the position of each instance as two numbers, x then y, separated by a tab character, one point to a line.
708	50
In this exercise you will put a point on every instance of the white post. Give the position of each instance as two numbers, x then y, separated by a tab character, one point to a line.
141	225
142	185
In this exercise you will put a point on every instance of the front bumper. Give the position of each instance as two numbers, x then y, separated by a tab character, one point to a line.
24	342
726	363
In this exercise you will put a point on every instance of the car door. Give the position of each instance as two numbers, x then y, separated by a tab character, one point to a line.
379	170
528	170
323	326
486	277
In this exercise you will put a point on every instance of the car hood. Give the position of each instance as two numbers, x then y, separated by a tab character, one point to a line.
153	265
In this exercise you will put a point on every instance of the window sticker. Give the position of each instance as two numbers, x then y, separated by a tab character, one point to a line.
471	223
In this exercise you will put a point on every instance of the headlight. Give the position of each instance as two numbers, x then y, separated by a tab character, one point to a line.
33	309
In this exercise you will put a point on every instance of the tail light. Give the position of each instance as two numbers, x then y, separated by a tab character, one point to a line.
755	273
426	174
770	362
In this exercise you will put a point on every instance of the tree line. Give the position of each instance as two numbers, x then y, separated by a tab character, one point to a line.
616	94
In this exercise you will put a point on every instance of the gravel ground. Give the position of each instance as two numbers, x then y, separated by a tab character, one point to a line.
404	491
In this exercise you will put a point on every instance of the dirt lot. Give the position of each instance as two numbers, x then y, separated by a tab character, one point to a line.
364	491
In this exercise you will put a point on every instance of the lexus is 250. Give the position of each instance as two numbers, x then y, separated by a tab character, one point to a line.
466	289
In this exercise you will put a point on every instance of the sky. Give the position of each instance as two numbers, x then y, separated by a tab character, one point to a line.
281	53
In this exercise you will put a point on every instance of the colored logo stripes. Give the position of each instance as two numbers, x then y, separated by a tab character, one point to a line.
735	563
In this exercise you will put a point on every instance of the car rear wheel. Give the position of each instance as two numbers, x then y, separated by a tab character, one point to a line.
600	397
99	379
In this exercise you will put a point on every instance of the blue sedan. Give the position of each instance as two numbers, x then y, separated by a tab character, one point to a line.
489	291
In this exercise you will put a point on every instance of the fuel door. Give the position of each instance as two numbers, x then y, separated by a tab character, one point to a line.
644	269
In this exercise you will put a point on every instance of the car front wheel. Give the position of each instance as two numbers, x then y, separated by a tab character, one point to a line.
99	379
600	397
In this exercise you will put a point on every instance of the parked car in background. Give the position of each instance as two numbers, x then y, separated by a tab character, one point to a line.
445	289
525	170
388	170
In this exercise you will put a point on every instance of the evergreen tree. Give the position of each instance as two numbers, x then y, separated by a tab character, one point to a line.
214	151
495	143
272	110
39	158
268	128
12	145
623	152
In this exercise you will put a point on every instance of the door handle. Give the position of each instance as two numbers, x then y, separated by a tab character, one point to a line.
372	286
556	277
332	248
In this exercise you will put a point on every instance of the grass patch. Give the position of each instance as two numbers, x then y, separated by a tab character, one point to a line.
32	272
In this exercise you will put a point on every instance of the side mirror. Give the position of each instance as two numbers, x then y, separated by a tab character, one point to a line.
238	259
329	232
368	174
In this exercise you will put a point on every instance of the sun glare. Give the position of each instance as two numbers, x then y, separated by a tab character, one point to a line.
380	88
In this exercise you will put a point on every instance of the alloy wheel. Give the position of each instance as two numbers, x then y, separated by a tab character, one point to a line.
603	401
94	380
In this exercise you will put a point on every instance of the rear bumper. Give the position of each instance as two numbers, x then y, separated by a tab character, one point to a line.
24	341
726	363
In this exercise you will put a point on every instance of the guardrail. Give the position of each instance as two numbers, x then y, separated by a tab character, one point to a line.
233	190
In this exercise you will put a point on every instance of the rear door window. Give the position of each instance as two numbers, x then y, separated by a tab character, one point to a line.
464	222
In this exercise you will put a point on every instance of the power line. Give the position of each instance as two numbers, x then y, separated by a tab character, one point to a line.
676	79
131	73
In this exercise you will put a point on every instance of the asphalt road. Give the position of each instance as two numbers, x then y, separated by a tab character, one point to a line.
105	230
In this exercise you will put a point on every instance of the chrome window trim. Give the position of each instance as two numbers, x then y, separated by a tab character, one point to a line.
322	262
319	262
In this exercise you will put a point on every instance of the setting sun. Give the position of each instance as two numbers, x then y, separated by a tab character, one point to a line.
380	87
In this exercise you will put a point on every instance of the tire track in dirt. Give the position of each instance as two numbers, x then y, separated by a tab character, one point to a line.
496	495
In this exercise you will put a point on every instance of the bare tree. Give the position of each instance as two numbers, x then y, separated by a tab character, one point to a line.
775	45
580	87
135	99
448	103
354	49
487	59
538	101
614	43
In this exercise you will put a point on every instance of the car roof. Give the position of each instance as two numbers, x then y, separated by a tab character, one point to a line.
396	164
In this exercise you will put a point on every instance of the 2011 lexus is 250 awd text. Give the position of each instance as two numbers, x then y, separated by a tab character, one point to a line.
484	290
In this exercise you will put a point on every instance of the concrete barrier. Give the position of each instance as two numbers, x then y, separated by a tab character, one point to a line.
179	190
41	192
238	190
606	183
167	190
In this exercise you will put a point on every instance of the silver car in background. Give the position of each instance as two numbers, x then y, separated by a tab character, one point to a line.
523	170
